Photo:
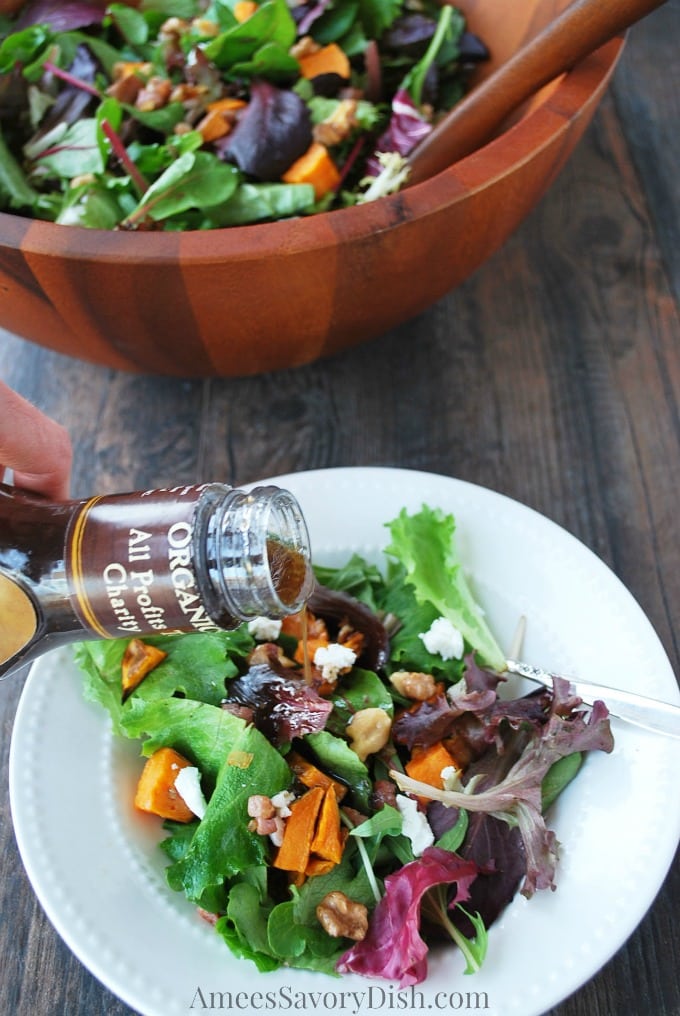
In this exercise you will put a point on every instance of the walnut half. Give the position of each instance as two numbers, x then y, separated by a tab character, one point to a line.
369	731
341	917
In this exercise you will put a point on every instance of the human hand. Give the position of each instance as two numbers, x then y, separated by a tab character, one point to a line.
36	448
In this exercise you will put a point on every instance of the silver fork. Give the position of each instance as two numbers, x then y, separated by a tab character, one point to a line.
653	714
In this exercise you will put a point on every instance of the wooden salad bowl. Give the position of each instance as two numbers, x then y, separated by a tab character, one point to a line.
251	299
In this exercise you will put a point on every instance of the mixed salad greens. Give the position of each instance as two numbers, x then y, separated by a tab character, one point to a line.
344	806
181	114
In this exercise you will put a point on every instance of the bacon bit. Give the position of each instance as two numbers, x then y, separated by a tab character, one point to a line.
207	915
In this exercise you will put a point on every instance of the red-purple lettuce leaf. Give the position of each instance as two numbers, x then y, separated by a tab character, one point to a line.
281	704
477	689
393	947
338	606
406	129
62	17
469	711
409	35
495	846
517	797
273	132
305	14
72	100
425	724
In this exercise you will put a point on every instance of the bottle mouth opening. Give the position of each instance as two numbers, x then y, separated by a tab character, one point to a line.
262	566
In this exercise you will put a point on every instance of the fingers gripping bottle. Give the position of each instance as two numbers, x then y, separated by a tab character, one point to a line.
183	559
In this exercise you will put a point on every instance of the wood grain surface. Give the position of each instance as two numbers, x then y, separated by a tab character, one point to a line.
552	375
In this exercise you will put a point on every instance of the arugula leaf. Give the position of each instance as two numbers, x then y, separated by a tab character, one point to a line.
473	949
384	830
425	545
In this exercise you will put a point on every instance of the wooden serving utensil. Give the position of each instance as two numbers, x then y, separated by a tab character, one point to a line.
581	29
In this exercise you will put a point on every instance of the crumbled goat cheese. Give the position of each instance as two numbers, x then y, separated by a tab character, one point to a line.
450	778
443	639
188	786
333	659
415	826
263	629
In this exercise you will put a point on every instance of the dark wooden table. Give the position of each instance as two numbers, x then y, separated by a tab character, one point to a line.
553	375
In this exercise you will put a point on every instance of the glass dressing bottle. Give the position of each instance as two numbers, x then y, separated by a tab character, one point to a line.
182	559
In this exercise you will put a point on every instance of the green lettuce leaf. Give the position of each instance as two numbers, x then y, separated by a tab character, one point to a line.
196	667
337	759
222	845
357	577
360	689
424	543
203	733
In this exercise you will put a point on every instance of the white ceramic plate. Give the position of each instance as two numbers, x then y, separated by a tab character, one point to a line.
96	868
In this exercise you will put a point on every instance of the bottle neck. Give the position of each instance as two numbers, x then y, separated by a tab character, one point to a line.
253	552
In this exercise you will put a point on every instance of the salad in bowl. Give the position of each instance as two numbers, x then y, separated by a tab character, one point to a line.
180	114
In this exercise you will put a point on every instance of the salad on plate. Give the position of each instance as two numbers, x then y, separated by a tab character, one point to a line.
181	114
349	788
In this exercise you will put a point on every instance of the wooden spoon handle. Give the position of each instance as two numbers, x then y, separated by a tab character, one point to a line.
579	30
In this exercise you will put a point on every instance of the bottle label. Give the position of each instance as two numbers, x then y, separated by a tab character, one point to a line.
19	619
130	567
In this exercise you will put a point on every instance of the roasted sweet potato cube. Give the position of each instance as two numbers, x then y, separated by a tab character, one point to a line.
139	659
156	793
293	854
